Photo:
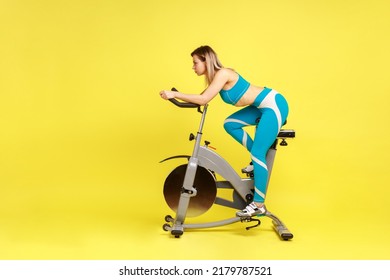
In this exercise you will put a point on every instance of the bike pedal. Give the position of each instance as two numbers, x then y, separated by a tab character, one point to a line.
248	170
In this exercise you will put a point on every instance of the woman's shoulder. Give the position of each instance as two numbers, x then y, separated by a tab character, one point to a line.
228	73
228	70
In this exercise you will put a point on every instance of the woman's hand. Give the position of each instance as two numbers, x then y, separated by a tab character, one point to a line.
167	94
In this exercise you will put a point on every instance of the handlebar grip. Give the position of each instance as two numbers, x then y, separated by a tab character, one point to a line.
182	104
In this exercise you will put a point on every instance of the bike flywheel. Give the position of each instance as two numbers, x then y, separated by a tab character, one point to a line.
204	183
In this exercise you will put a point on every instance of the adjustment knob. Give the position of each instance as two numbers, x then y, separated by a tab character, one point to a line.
192	137
283	143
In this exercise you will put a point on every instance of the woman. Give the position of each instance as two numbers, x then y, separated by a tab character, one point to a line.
261	104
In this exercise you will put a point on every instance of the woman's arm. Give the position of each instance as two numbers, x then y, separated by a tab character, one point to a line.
220	79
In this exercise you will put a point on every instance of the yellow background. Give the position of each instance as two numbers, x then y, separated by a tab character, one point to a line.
82	127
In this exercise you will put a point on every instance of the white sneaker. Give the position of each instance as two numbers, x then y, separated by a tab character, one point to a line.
251	210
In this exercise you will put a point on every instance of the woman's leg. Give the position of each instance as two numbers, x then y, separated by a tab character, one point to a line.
235	123
267	130
266	133
273	117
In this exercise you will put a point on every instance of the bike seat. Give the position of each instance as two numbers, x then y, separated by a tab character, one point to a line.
286	133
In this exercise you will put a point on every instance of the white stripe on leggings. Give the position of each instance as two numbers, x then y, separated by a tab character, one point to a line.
236	121
259	193
270	102
245	139
259	162
262	164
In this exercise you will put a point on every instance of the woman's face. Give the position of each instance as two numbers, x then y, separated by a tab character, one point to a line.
199	66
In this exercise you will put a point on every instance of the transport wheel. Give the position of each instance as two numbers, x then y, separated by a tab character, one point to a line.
204	183
168	218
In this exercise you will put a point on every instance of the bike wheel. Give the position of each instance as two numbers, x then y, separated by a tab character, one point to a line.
204	183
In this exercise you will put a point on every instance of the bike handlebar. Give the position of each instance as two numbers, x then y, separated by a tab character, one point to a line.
183	104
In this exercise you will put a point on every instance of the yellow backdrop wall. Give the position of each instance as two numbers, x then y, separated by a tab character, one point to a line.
82	127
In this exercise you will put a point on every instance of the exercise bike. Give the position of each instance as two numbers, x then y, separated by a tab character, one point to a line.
191	189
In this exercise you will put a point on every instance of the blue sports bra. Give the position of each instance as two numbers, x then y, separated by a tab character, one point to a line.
234	94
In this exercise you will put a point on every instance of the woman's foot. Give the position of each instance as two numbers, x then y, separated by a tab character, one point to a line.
252	209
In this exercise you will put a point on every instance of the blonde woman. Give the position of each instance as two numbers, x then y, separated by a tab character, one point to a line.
262	106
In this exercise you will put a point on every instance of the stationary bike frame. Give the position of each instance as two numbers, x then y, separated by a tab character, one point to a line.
203	156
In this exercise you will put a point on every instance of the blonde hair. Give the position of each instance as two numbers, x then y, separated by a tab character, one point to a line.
208	55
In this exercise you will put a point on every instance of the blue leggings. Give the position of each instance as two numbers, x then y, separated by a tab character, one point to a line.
271	109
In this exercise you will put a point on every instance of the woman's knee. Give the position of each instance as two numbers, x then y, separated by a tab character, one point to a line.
230	126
